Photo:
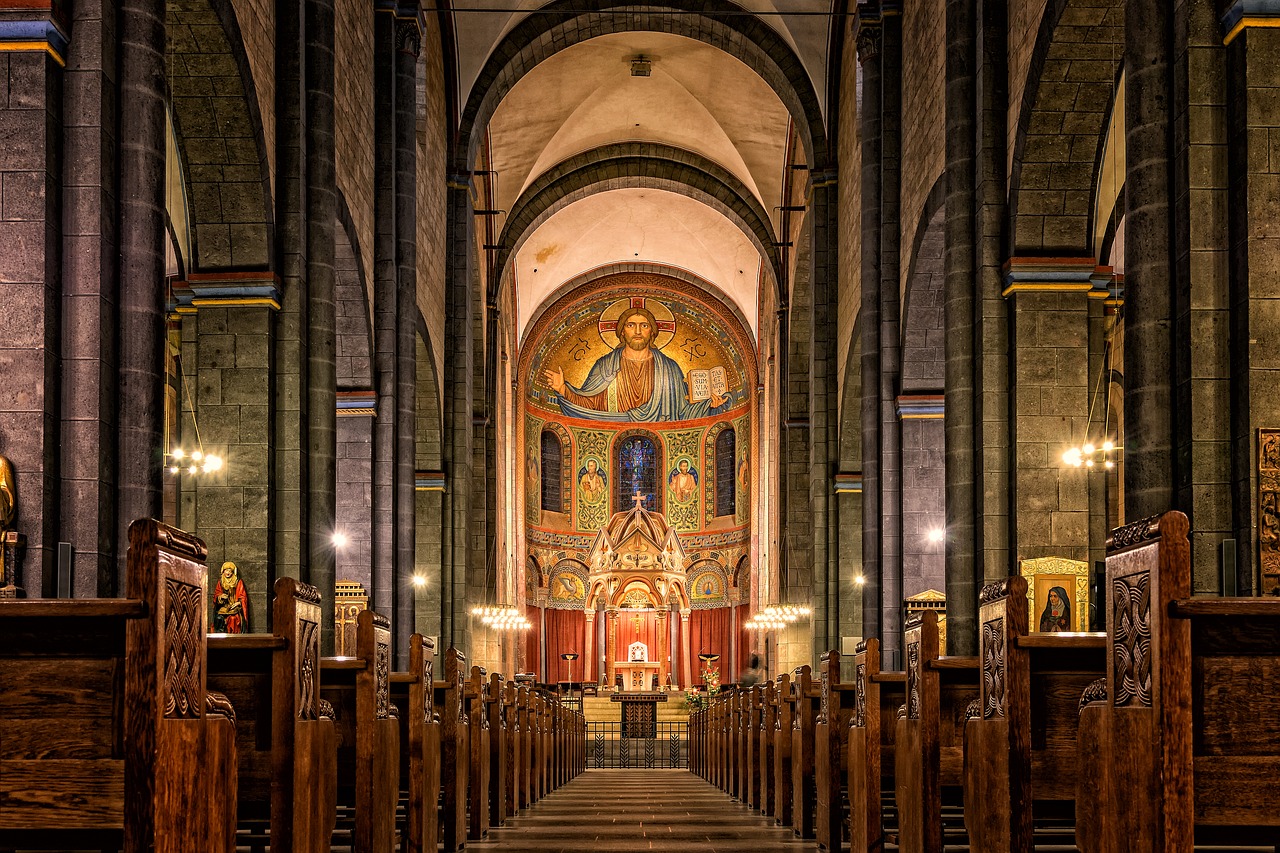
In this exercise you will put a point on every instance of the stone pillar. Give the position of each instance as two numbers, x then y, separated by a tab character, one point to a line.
142	239
90	256
959	439
868	46
993	456
890	333
1150	468
408	42
322	377
289	491
1049	299
458	405
824	442
588	645
385	331
673	662
685	665
663	649
611	645
30	269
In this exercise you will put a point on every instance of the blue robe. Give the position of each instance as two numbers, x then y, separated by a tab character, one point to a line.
667	403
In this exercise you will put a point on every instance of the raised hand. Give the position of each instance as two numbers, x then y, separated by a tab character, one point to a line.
555	379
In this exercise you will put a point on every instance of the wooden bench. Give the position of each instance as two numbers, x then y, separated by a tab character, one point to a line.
413	694
831	735
784	714
804	796
765	748
1022	731
751	765
107	739
877	696
478	755
1185	745
359	690
454	751
499	749
285	737
929	753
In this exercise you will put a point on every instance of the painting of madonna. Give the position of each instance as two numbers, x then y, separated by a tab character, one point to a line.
1056	615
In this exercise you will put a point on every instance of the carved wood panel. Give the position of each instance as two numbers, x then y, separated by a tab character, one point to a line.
184	651
1131	647
860	695
308	648
993	671
913	679
382	674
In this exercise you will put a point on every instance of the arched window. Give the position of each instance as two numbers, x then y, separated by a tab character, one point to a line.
552	476
637	471
726	453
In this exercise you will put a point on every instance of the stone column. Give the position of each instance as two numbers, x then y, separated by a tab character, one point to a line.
408	42
322	377
823	396
663	649
611	646
993	456
673	664
685	666
30	269
1150	468
142	239
869	119
90	256
890	333
385	331
588	644
289	491
960	547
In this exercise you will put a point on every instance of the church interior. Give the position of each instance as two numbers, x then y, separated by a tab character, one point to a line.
418	420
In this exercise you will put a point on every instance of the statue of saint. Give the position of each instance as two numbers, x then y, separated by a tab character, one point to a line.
230	602
634	382
8	495
11	544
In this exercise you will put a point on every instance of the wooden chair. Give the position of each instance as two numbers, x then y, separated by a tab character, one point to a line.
285	738
1022	730
359	689
929	752
1185	745
808	694
108	736
831	735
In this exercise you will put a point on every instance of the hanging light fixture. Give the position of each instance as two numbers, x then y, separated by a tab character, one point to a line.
502	618
181	461
775	617
1105	452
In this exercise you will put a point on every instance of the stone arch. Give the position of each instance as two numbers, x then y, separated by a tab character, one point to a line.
638	165
220	137
719	23
1061	126
923	328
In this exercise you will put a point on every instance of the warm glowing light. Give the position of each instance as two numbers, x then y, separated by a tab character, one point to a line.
177	453
339	539
860	580
937	534
1108	446
1108	464
197	455
174	469
1088	449
193	470
419	580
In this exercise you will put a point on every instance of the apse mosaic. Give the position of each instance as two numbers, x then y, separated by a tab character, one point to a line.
627	356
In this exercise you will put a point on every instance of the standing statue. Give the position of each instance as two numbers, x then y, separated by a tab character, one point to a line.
230	602
8	498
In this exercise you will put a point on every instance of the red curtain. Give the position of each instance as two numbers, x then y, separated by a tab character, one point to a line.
709	634
566	632
533	640
629	633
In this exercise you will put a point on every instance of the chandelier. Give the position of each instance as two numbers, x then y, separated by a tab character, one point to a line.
502	618
775	617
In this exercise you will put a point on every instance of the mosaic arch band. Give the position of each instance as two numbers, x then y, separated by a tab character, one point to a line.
635	381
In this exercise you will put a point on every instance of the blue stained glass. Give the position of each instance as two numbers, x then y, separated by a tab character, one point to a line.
637	472
726	452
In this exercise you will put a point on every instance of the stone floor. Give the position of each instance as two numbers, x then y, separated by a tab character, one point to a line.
640	810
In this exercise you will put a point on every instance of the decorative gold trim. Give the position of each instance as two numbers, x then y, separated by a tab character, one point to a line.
1250	21
1047	287
34	45
235	302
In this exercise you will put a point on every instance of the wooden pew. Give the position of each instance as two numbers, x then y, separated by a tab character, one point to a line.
107	739
765	748
359	690
808	694
831	734
420	730
751	766
515	753
499	749
454	751
478	772
1186	744
1023	730
525	719
285	744
929	753
784	714
877	696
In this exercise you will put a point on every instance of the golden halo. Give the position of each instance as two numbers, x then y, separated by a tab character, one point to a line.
608	322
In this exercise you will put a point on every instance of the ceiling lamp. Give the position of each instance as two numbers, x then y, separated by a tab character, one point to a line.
641	66
502	618
775	617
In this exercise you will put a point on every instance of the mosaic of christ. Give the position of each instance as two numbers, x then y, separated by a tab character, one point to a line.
634	379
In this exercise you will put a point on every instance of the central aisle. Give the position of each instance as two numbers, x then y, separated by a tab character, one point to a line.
635	810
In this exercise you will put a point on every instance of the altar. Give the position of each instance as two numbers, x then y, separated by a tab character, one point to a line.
637	672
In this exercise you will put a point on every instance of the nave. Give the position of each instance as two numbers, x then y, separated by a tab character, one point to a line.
632	810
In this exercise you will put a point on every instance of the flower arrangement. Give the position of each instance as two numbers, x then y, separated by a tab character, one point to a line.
711	678
693	700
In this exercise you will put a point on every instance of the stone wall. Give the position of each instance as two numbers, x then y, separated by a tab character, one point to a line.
850	201
353	118
355	499
1024	26
923	114
256	19
432	175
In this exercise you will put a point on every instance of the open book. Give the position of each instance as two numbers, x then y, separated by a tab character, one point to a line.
704	384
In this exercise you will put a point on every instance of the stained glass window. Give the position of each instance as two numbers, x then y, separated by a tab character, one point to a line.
726	453
552	475
637	472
